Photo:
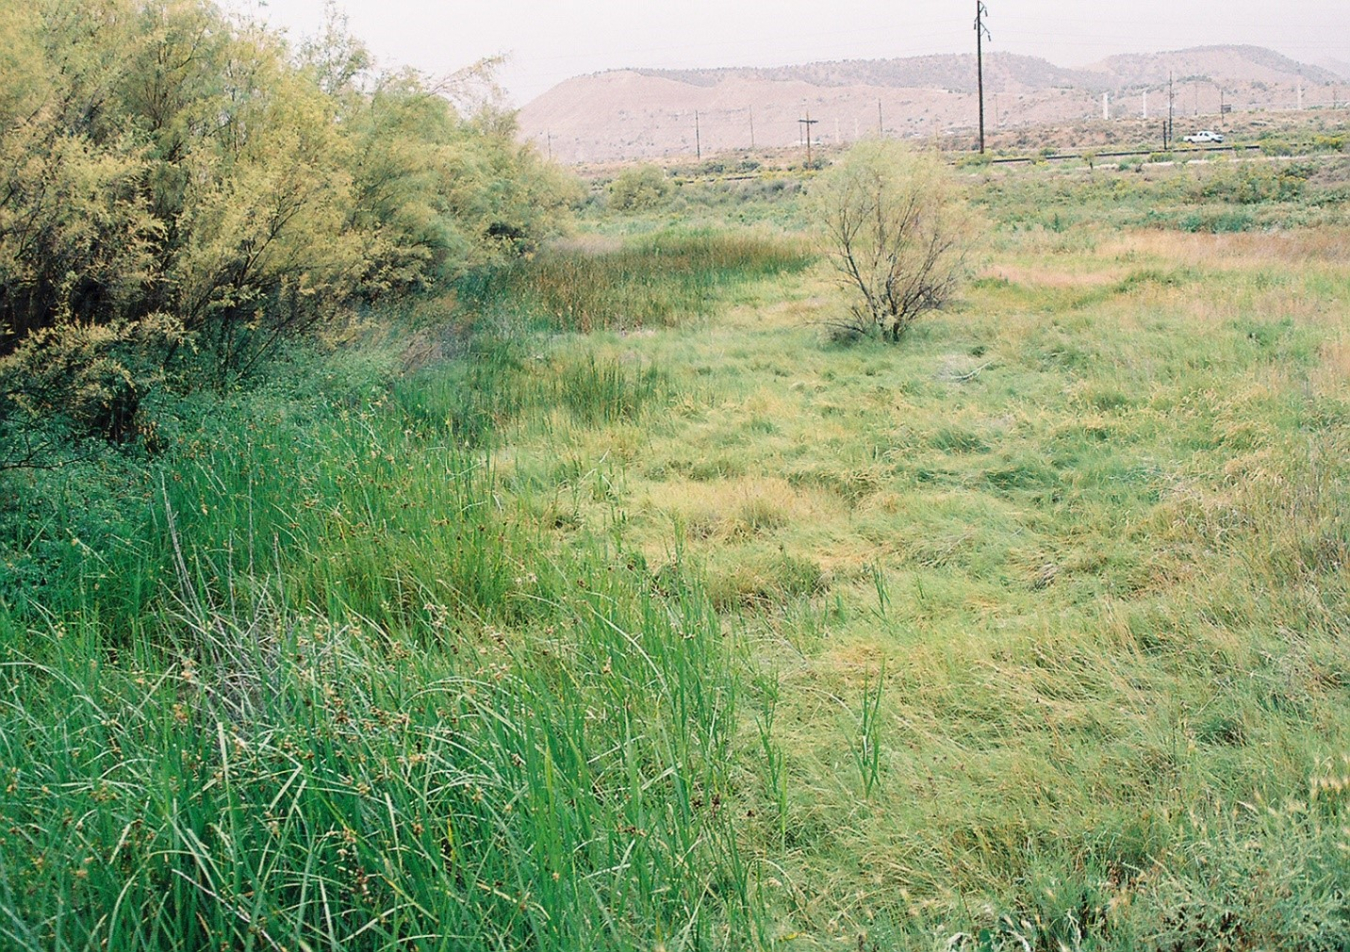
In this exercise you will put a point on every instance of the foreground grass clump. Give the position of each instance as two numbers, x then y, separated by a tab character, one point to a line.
362	709
281	780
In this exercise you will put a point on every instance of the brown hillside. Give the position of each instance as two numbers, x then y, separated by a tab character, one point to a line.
646	113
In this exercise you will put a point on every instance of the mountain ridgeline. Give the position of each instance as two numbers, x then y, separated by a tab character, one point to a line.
646	113
1012	72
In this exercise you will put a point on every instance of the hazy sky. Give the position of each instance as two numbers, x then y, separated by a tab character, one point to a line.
549	40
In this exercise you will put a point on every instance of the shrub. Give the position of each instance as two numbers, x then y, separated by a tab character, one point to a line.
67	384
974	160
639	188
242	197
894	227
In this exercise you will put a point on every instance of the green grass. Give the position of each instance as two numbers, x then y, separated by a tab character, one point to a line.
1029	632
368	710
660	280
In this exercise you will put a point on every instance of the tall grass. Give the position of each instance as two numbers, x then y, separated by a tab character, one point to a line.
286	781
658	281
367	711
471	403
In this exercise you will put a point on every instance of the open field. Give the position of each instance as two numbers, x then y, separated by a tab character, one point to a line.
653	617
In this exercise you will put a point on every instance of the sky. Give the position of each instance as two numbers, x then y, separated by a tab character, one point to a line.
547	41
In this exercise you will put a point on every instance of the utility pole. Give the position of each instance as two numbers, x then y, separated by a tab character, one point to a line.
981	31
807	123
698	143
881	126
752	128
1171	112
550	145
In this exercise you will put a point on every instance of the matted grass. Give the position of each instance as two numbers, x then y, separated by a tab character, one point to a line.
1084	530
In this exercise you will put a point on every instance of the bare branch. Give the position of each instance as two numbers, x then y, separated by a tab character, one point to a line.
894	233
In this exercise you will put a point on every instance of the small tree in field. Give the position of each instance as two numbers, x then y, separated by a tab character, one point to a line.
894	227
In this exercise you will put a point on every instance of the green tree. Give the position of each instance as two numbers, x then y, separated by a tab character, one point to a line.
195	190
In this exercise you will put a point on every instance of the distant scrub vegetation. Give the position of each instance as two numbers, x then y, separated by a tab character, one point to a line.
639	187
180	191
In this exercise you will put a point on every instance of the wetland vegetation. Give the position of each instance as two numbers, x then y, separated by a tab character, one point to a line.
592	596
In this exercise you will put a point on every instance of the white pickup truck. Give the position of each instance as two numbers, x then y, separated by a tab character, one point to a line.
1205	135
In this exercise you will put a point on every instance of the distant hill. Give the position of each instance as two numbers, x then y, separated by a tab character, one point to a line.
953	73
1235	65
1340	67
649	113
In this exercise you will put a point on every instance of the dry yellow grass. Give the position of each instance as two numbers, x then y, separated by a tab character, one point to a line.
1046	275
1243	250
734	509
1332	374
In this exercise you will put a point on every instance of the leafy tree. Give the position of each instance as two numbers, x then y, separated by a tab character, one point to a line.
899	235
180	191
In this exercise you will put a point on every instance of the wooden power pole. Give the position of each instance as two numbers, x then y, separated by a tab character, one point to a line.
807	123
1171	113
981	31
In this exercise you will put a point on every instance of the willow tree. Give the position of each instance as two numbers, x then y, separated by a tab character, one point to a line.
893	224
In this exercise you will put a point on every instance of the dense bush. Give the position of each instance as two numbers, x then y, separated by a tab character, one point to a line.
1251	183
638	188
182	190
